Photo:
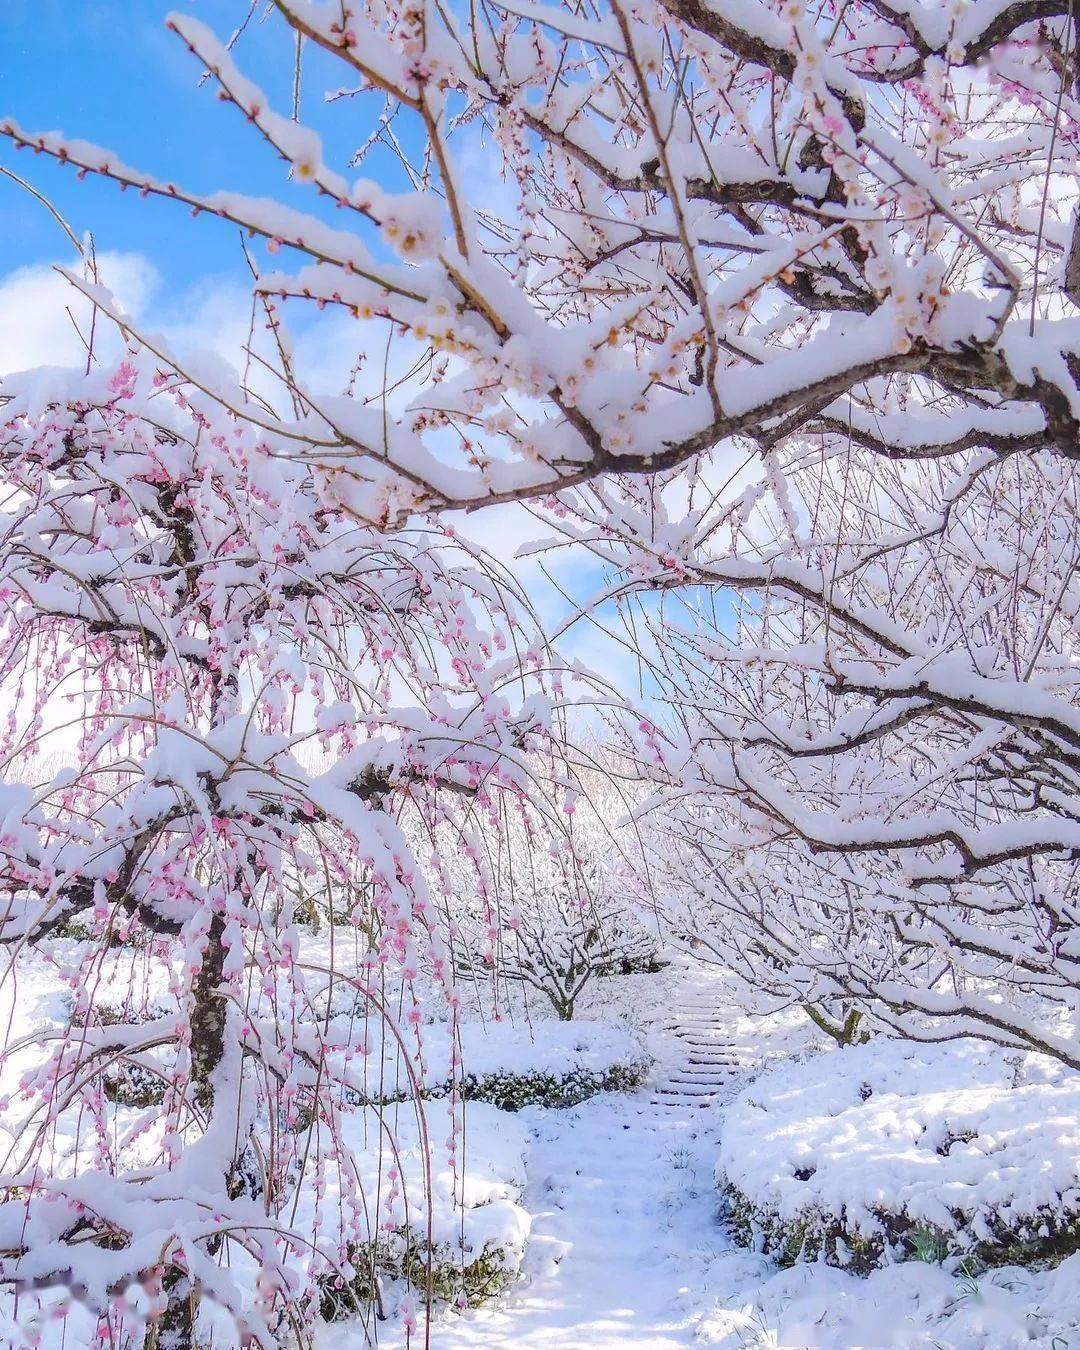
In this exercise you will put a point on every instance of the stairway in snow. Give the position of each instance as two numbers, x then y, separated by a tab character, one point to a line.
711	1064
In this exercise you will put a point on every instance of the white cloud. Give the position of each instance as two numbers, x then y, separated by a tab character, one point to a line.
42	314
46	321
209	318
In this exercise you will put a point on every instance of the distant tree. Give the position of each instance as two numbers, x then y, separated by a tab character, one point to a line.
553	892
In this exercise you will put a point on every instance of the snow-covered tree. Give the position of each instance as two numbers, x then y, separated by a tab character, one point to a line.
549	891
728	221
762	918
184	619
804	277
872	754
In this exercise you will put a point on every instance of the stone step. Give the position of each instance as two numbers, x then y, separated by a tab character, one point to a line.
711	1065
677	1089
690	1076
681	1106
705	1065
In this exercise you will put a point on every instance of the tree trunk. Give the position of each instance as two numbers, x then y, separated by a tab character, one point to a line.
208	1016
843	1033
175	1329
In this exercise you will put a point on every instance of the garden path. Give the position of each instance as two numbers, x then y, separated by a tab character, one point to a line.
625	1205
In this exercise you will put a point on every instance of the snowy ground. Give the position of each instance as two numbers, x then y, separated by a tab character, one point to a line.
628	1247
624	1227
626	1215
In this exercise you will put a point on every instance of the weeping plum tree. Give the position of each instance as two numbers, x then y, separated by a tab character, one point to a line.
184	620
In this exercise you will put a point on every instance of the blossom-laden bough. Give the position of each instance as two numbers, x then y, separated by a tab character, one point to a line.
219	688
725	220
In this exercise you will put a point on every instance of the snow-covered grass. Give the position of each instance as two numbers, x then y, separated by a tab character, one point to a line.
893	1149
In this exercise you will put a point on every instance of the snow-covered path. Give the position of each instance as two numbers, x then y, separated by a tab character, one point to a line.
627	1250
625	1212
625	1209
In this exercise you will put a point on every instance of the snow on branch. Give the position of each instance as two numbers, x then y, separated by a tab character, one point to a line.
681	265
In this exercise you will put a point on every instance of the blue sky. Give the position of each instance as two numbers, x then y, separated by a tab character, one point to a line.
109	71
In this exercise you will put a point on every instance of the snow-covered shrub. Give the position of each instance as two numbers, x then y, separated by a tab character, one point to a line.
445	1180
139	1078
437	1270
913	1306
512	1091
548	1048
894	1150
550	1063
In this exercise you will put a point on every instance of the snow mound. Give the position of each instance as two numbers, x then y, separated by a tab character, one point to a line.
896	1149
545	1047
903	1307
